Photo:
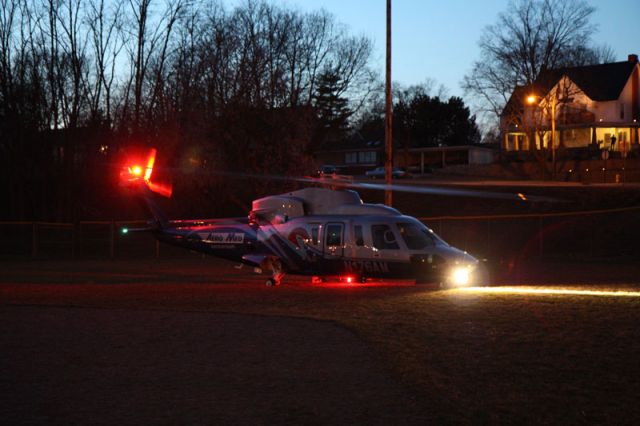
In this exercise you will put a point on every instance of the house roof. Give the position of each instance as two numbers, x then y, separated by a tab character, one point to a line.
602	82
355	142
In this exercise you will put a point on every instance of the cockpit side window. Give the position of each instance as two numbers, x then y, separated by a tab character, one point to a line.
416	237
383	237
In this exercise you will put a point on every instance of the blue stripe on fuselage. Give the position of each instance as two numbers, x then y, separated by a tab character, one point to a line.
224	241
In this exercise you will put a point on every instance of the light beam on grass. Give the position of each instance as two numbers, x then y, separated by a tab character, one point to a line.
559	291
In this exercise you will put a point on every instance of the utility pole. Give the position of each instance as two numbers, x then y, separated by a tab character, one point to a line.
553	136
388	165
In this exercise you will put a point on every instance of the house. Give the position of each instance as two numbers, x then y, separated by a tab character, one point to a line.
595	106
352	156
355	157
422	159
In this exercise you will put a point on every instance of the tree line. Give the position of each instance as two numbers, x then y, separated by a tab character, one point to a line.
252	89
204	83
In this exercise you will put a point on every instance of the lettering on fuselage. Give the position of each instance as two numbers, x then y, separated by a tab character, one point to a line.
369	266
222	237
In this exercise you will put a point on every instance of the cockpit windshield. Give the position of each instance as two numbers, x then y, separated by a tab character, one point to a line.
417	236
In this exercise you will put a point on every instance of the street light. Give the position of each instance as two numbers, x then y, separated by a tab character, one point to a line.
531	99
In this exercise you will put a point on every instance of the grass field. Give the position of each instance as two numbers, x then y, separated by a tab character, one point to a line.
467	355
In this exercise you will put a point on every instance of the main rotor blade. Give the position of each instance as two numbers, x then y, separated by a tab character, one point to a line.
438	190
428	190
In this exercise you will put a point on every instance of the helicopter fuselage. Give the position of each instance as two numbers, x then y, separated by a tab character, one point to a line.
363	246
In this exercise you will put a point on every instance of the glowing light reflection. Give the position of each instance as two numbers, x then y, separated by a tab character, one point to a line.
553	291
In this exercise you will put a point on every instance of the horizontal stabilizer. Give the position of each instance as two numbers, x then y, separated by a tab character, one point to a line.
126	230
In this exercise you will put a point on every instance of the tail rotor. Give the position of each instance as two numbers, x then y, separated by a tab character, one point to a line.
134	175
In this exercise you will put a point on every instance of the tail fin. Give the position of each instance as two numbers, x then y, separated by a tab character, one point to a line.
138	178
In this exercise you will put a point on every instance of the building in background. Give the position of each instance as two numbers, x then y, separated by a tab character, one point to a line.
595	107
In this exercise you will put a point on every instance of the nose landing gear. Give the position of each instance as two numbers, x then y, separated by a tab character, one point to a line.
275	280
276	270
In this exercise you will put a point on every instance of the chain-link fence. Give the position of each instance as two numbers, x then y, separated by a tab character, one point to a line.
602	233
82	240
587	234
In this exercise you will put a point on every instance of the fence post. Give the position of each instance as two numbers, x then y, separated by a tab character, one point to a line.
540	237
80	237
34	240
488	237
112	238
592	222
73	238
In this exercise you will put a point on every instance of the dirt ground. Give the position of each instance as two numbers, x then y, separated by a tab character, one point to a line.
82	345
199	342
71	365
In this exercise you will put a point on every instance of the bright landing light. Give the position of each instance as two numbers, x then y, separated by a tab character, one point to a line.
560	291
460	276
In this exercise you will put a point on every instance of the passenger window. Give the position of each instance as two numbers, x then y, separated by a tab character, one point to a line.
357	231
383	237
334	235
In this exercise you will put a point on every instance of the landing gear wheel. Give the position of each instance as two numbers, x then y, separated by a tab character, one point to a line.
271	282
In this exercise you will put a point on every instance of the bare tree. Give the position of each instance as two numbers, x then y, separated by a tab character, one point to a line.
9	10
157	100
104	25
73	42
49	35
140	43
530	37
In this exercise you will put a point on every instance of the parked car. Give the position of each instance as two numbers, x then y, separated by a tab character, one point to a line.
378	172
327	169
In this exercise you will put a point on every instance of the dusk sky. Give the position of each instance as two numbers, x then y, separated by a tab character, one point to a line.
438	39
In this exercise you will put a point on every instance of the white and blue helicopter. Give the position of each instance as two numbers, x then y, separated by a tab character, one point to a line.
318	232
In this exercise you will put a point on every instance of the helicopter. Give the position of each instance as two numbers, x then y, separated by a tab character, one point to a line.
318	232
